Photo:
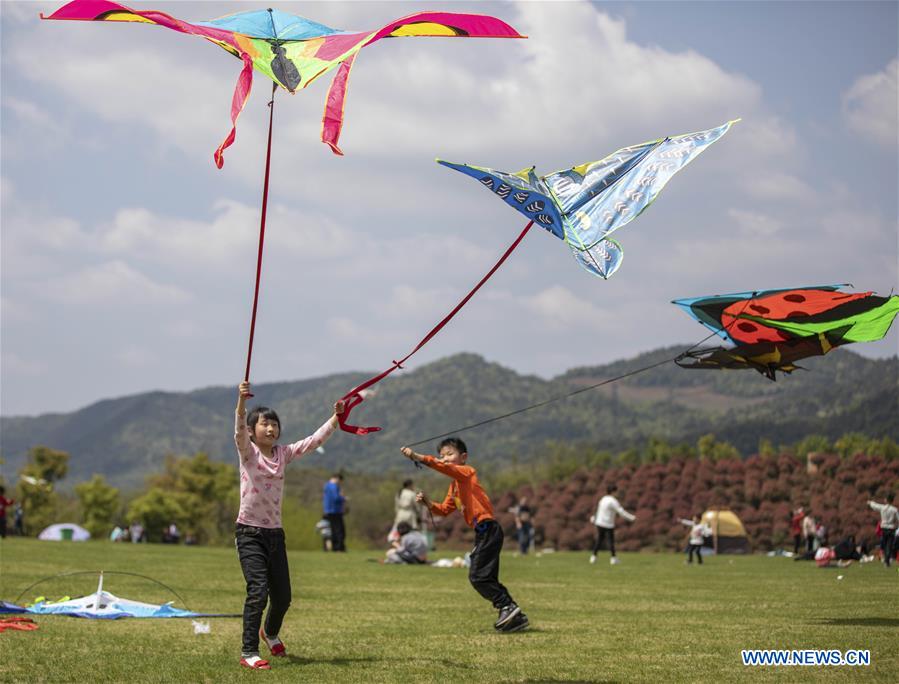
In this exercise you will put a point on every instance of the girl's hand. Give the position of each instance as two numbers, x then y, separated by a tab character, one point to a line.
423	499
339	407
243	390
408	453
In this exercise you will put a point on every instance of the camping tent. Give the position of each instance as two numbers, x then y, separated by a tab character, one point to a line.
64	532
728	533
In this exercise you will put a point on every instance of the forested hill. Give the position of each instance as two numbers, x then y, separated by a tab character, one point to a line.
126	438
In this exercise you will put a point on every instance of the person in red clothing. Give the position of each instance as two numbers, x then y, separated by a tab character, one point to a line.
466	495
796	528
4	502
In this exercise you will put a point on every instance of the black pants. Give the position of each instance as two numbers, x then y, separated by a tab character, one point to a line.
809	544
796	540
697	548
887	540
601	533
3	527
263	559
524	537
484	571
338	532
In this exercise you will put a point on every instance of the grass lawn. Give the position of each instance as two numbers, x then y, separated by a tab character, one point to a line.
649	619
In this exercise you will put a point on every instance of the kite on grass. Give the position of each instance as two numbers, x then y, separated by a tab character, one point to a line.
291	50
585	204
772	330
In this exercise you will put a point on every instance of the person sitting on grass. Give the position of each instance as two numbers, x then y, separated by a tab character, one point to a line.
411	548
466	494
259	536
698	531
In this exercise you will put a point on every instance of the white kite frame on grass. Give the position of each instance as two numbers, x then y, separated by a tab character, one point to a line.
106	606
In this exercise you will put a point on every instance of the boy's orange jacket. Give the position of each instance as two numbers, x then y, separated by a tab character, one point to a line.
465	493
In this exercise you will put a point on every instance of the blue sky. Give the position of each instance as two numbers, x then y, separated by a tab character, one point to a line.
128	258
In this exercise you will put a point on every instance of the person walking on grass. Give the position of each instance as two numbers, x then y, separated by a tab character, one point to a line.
4	502
889	524
258	535
808	532
604	519
796	529
405	506
334	507
466	495
698	531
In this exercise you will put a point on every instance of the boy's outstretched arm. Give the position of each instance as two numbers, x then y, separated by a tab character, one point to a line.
411	455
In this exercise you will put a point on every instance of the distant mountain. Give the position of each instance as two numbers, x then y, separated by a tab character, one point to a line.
129	437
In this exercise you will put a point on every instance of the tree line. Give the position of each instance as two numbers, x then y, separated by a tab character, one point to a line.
200	495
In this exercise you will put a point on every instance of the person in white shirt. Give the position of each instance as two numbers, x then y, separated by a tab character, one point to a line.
604	519
889	524
808	532
698	531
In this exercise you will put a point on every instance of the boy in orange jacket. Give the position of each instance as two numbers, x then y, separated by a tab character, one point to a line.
466	494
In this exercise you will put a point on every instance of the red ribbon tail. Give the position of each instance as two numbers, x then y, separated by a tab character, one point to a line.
353	398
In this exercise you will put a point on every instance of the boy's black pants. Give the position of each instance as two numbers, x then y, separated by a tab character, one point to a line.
263	559
484	570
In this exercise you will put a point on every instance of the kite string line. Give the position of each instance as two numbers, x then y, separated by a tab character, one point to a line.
354	396
557	398
268	158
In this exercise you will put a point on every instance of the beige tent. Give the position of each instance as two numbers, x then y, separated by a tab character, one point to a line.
728	533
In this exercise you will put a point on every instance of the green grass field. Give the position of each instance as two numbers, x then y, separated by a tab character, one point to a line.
649	619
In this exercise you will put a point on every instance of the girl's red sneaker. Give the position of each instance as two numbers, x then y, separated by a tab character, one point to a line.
275	645
255	663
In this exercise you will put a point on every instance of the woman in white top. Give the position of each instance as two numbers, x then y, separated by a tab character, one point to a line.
604	519
406	506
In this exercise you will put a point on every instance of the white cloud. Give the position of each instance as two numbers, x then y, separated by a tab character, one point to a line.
756	224
871	105
110	282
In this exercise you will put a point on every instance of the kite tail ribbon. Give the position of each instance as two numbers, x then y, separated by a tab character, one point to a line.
355	397
241	95
332	121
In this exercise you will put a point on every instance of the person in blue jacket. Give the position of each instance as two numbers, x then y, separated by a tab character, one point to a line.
334	505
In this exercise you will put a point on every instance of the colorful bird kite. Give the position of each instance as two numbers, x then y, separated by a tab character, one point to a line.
585	204
291	50
771	330
582	206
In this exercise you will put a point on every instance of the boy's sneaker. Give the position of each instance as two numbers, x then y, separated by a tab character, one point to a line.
506	613
592	559
255	663
274	644
516	624
614	560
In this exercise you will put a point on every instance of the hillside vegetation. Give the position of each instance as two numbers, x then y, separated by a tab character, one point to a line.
126	438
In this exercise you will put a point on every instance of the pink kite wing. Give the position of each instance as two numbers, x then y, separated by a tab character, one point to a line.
266	40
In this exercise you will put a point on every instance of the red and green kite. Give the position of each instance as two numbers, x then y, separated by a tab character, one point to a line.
772	330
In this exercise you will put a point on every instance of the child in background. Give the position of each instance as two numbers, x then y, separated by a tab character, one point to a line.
258	536
466	494
698	530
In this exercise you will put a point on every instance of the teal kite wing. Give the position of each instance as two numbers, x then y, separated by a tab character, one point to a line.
585	204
